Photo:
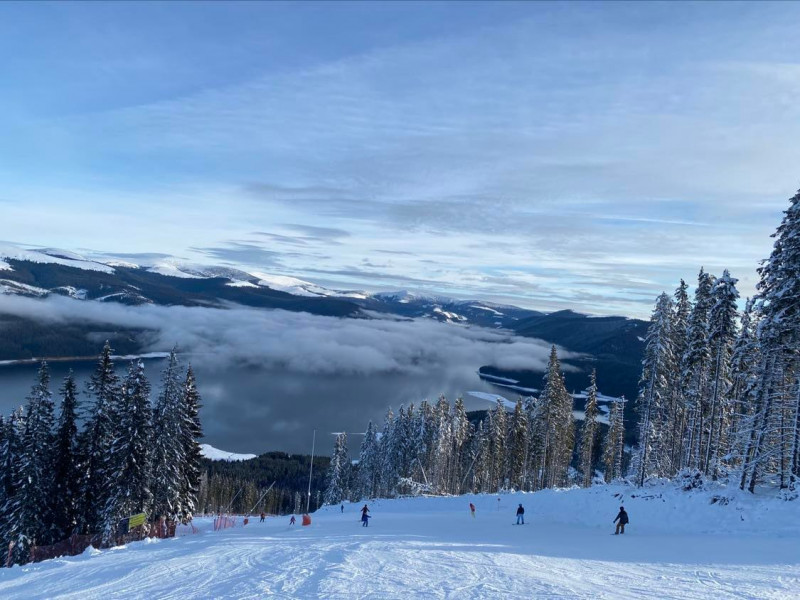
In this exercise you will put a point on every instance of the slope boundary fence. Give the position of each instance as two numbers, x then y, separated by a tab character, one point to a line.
77	544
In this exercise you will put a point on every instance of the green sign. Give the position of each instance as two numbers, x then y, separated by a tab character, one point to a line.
136	520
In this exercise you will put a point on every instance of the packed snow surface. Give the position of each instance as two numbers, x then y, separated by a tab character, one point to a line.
677	545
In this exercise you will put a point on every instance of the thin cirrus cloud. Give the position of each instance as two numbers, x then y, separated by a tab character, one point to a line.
604	150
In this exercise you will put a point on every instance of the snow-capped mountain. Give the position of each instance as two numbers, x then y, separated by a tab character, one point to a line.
161	279
208	451
614	343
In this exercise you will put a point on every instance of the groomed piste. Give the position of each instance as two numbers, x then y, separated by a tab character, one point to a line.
698	544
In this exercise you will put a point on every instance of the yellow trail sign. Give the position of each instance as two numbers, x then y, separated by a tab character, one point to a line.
136	520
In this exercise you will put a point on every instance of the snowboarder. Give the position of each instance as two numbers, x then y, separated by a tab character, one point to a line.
292	520
622	517
364	516
472	509
520	515
263	516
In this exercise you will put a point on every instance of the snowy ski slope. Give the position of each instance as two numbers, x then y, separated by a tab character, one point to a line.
677	546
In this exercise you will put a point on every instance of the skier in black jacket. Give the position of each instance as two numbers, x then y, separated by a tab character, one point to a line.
520	515
621	520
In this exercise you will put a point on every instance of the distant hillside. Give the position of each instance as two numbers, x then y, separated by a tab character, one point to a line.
133	285
224	479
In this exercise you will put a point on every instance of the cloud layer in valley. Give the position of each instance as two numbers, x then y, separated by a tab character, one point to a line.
298	342
268	377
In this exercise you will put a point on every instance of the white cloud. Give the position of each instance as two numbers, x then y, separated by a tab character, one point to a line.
300	342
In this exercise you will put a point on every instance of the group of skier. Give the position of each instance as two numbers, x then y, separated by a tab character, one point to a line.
621	519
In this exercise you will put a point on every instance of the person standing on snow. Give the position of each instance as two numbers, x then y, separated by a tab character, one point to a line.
364	516
622	517
342	507
472	509
263	516
520	515
292	520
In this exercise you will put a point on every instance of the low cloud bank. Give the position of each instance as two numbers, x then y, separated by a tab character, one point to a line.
298	342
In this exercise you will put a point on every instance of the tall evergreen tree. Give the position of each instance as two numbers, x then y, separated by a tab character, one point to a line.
191	433
462	430
677	408
775	442
169	420
388	473
614	442
443	446
657	364
368	464
519	446
695	369
9	472
498	437
554	432
130	453
722	336
339	473
66	464
589	432
31	520
96	441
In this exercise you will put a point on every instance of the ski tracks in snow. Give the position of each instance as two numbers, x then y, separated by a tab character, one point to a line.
421	553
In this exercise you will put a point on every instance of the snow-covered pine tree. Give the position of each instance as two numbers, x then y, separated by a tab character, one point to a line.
443	446
518	446
388	469
191	434
652	456
130	453
480	450
498	437
66	463
695	370
13	428
169	419
3	475
677	409
95	443
614	444
339	472
744	379
532	406
417	444
554	429
589	431
722	336
775	445
368	464
29	511
462	431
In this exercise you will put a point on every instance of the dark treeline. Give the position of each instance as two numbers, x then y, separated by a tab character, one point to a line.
223	480
58	478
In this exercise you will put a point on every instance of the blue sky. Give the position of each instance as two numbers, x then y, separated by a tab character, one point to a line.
568	155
